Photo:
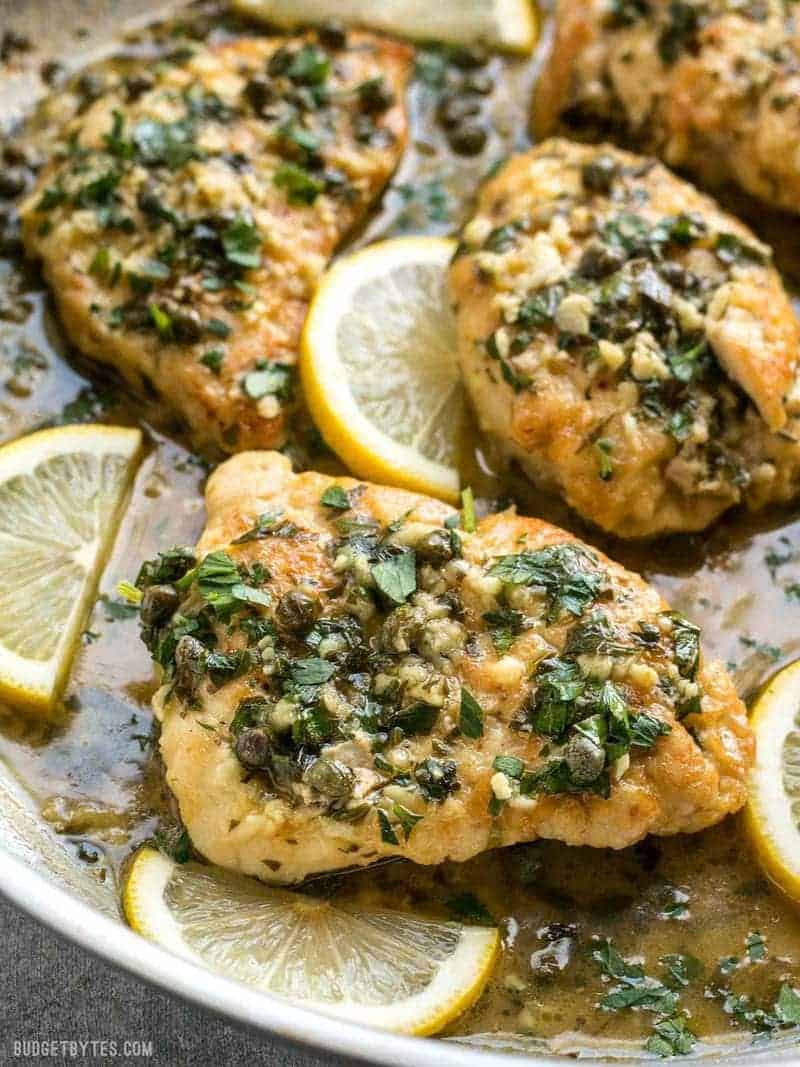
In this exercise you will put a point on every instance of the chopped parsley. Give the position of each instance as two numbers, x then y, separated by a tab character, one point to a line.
510	766
563	572
504	627
299	184
633	989
269	524
470	720
213	359
646	730
388	836
756	947
417	718
671	1037
686	638
242	243
335	497
396	577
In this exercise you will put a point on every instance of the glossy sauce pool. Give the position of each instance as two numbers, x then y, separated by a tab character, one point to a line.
96	775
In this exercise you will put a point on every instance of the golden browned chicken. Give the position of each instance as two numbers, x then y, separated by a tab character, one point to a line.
350	674
627	341
712	86
184	224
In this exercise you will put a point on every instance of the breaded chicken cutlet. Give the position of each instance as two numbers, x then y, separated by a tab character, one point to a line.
709	86
627	341
184	225
350	675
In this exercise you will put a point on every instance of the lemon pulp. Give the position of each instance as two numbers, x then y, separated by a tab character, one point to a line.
384	969
506	24
379	365
772	814
61	497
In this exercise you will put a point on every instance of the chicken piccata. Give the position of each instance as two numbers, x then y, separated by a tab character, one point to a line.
189	215
353	672
710	86
626	341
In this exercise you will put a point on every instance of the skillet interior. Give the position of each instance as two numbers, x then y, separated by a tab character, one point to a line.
721	580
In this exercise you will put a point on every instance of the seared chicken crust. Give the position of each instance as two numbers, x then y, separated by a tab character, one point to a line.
627	341
710	86
186	221
349	674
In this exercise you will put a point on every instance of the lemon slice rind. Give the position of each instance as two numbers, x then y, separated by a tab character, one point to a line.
510	25
413	376
52	564
456	984
774	788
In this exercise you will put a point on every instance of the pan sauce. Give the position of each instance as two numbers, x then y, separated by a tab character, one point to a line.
96	773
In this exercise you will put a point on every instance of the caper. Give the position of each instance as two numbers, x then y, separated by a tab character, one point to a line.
11	310
330	777
332	34
453	109
437	778
259	92
435	547
137	85
158	604
10	241
253	748
88	853
187	325
295	611
364	128
469	58
19	155
599	260
148	199
677	276
375	96
11	42
480	81
279	62
585	759
599	174
398	630
649	633
190	661
12	182
52	73
91	85
469	139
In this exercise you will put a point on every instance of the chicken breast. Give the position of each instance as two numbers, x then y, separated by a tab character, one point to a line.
350	675
711	86
186	221
627	341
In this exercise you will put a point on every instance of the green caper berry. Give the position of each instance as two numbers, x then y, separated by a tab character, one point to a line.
585	759
330	777
253	748
599	174
296	611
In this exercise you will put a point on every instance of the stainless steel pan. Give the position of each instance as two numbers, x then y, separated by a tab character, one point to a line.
36	872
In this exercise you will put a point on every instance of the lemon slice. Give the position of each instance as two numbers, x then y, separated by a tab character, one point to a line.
62	493
506	24
383	969
379	365
772	815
